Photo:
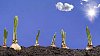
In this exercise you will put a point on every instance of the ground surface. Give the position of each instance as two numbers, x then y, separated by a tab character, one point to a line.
49	51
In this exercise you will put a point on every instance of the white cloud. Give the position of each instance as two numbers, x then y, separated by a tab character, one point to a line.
98	5
90	3
59	5
64	6
85	0
68	7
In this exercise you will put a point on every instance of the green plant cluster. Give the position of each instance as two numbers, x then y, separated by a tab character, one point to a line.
63	34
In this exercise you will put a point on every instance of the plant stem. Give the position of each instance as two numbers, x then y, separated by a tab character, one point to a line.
89	36
53	40
37	36
15	29
5	36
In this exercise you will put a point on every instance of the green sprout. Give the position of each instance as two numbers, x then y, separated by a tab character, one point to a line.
15	43
15	29
37	36
53	41
63	39
5	37
89	46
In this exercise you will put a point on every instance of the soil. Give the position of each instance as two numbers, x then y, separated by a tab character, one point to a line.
49	51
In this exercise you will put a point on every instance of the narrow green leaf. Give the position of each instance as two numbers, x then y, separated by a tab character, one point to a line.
15	23
5	35
53	40
15	29
37	36
63	36
88	35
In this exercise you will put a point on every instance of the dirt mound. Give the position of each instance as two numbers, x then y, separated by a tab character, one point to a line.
49	51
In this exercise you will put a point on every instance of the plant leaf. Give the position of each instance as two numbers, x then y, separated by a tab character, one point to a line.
5	35
37	36
15	23
63	36
53	40
15	29
88	35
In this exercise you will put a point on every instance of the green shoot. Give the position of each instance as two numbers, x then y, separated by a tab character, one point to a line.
63	39
15	45
53	41
89	46
5	37
88	35
63	36
37	36
15	29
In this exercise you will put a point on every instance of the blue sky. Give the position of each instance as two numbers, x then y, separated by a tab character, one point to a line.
43	15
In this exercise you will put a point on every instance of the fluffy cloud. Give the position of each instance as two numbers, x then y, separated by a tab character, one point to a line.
64	6
85	0
99	5
90	4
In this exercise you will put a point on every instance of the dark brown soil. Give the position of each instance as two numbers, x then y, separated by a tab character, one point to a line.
49	51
